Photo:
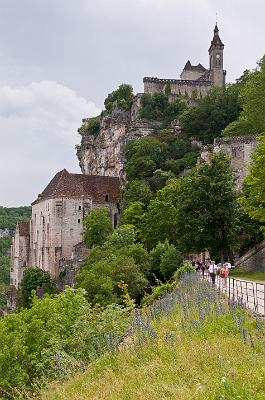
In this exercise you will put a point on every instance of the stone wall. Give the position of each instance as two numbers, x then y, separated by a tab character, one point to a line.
239	150
254	259
184	88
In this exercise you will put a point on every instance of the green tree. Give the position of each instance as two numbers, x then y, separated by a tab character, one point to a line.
97	227
122	236
254	185
33	279
123	97
137	191
101	280
252	98
206	120
133	215
207	208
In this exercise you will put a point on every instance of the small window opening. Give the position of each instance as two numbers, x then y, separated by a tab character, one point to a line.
106	197
79	208
79	220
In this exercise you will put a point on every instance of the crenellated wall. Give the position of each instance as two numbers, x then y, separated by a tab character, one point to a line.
179	87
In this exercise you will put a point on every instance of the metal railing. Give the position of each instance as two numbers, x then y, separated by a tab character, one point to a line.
249	294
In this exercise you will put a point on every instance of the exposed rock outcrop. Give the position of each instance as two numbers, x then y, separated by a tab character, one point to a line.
103	154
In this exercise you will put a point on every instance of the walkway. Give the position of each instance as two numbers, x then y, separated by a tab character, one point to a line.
250	293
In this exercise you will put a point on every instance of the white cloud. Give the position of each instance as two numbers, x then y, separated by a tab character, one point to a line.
38	130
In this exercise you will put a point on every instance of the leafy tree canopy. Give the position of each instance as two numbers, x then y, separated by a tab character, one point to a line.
254	185
33	279
158	106
252	99
206	120
90	126
97	227
123	97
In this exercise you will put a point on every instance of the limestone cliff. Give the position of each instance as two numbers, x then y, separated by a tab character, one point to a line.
103	154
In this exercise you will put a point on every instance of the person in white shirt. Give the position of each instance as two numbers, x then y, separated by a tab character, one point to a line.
212	271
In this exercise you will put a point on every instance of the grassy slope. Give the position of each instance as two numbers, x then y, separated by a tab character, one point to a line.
208	363
253	276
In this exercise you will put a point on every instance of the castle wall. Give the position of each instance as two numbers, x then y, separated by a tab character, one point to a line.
254	259
19	257
179	87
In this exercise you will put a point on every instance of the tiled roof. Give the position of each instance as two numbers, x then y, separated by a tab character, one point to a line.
65	184
189	67
23	228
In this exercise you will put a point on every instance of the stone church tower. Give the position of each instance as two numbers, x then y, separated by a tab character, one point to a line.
216	59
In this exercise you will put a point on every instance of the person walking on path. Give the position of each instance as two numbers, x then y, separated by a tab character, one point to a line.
212	271
224	272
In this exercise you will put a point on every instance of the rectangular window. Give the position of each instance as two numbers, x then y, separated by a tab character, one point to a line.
78	220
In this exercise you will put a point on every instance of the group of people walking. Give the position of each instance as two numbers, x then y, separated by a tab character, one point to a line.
211	268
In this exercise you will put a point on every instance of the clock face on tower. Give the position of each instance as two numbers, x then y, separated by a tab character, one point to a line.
218	56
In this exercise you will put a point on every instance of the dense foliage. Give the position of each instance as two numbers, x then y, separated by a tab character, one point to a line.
206	120
10	216
38	280
254	189
57	336
123	97
155	159
252	99
118	260
158	106
97	227
90	126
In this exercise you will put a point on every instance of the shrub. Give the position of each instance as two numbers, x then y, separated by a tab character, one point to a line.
158	292
123	97
185	269
33	279
90	126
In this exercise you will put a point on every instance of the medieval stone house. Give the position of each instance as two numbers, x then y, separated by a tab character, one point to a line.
56	226
196	80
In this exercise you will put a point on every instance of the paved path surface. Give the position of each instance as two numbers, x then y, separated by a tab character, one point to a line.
250	293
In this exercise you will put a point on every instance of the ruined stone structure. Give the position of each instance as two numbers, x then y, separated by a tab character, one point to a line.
56	226
20	252
238	149
196	80
254	259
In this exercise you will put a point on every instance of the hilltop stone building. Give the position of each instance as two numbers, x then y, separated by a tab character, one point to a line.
56	227
195	80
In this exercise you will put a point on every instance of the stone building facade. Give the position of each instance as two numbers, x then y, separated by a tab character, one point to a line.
195	80
56	226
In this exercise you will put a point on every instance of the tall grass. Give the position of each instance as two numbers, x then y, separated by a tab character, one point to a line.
190	344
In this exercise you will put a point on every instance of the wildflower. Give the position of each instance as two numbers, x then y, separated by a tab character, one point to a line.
223	379
232	373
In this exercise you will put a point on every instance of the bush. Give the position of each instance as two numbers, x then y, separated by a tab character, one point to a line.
158	292
157	106
90	126
185	269
33	279
50	340
123	97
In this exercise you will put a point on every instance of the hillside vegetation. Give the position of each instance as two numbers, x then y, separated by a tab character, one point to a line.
187	345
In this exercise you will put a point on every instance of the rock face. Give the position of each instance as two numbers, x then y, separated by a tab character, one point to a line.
103	154
239	150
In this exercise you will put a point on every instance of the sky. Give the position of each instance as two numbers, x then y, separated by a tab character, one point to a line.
60	58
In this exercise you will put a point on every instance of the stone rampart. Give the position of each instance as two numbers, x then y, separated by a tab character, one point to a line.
254	259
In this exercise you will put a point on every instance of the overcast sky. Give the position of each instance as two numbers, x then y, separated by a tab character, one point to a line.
60	58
